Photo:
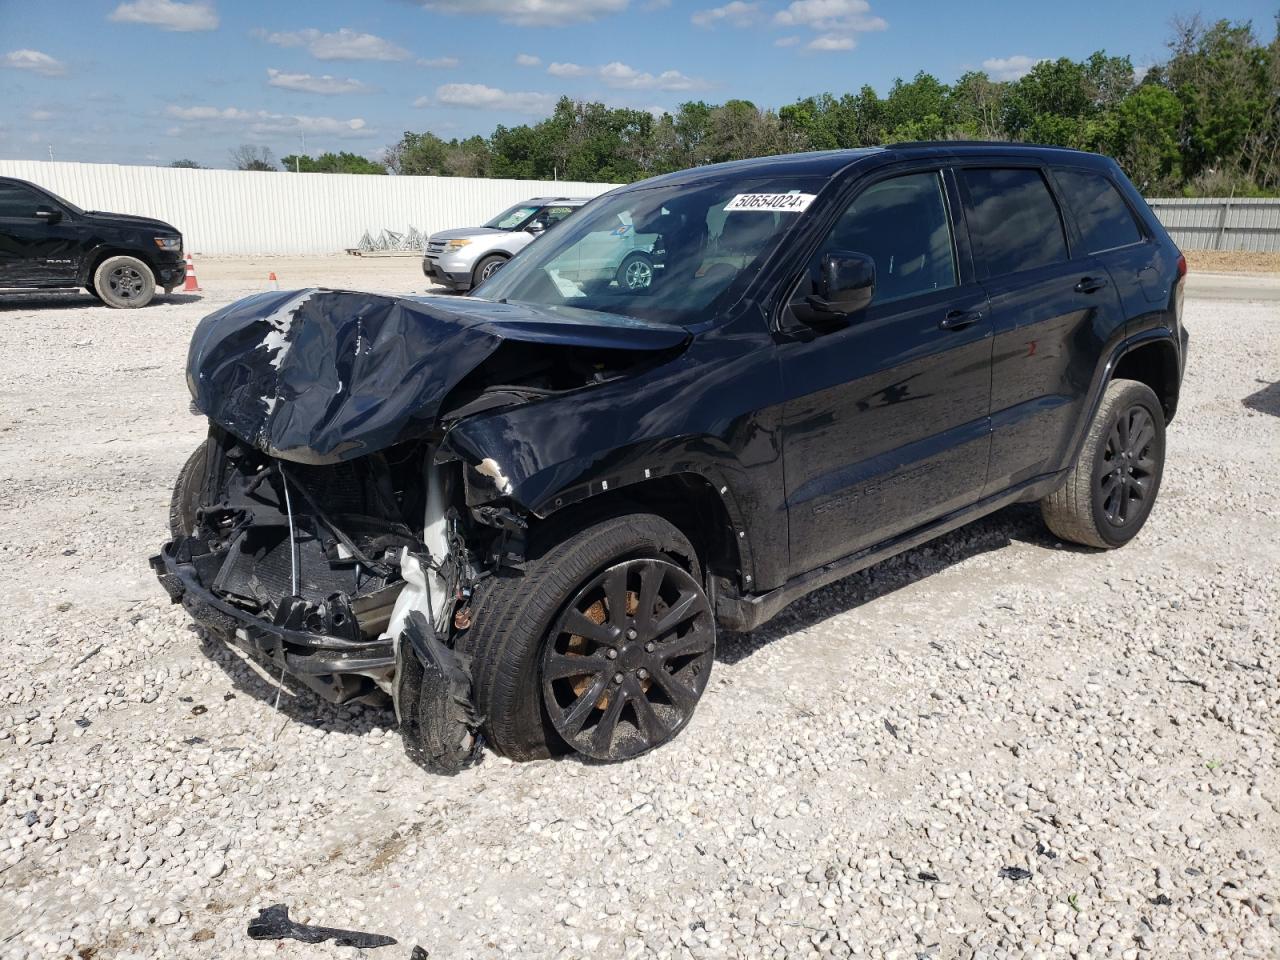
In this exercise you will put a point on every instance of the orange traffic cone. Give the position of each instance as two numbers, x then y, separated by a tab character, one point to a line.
271	279
190	284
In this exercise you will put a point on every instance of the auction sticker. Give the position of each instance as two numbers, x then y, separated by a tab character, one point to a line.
770	202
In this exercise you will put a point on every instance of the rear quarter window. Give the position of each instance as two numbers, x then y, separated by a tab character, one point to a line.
1014	218
1104	219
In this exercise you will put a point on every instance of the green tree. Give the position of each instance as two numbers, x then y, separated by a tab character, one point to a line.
186	165
331	163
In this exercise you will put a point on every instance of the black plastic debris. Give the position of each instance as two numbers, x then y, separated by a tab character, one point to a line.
1015	873
199	709
893	731
433	700
924	876
1162	900
273	923
1044	851
419	954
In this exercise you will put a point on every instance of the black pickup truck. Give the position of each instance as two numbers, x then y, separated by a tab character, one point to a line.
48	243
522	515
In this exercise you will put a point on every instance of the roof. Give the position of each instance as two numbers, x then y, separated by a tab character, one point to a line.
828	163
543	201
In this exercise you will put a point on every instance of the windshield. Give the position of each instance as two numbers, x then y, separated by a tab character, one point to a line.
510	219
657	253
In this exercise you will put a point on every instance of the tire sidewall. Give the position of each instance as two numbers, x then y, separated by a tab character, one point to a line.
526	710
102	285
483	265
1133	394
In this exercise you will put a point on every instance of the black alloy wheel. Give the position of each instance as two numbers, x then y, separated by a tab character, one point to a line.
628	659
1128	467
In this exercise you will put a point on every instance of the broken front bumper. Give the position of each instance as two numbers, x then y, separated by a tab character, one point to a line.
337	668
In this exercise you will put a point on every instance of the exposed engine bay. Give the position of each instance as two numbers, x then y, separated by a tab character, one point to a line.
326	527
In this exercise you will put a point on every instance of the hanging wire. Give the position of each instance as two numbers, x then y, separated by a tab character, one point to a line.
293	543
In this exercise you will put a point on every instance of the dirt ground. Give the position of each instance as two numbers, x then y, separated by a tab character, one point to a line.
1233	261
994	747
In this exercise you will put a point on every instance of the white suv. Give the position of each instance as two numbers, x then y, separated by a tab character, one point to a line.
465	257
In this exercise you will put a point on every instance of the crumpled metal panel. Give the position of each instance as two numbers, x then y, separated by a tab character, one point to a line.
320	376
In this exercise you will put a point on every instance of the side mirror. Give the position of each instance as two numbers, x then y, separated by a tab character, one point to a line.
48	214
846	285
536	227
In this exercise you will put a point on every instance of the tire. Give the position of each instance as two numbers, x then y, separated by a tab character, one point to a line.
516	613
486	268
93	293
186	494
124	282
636	272
1124	448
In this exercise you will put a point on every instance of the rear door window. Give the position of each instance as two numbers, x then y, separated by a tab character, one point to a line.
1103	217
1014	219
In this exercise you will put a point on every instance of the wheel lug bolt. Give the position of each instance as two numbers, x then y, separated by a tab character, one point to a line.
617	678
642	673
650	647
631	634
612	654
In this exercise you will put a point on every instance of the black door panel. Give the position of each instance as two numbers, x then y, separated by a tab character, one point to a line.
886	427
1051	326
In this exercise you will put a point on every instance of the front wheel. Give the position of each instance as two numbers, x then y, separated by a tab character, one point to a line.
636	272
124	282
1112	487
602	644
486	268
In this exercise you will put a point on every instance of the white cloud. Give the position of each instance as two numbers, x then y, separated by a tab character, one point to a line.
786	41
1009	68
736	13
168	15
530	13
445	63
306	83
567	70
264	122
830	16
344	44
35	61
622	76
528	60
40	116
628	78
830	42
481	97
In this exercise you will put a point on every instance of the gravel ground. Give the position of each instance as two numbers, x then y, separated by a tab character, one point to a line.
993	746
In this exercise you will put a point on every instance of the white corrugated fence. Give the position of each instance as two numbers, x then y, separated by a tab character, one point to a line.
238	212
1237	223
235	212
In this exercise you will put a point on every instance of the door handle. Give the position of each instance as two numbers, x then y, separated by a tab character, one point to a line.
1090	284
959	319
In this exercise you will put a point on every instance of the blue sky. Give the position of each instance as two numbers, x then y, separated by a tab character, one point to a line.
149	81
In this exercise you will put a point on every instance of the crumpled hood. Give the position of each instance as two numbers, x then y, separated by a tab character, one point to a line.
319	376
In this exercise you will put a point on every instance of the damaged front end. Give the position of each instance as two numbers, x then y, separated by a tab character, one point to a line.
324	527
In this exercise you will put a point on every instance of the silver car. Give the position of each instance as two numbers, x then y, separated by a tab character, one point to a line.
465	257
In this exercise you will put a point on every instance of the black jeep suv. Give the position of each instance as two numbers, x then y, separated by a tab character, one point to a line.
522	514
47	243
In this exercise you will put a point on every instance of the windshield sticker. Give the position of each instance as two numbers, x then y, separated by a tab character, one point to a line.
770	202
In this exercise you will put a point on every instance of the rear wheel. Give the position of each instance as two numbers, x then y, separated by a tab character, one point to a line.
1111	489
124	282
602	645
